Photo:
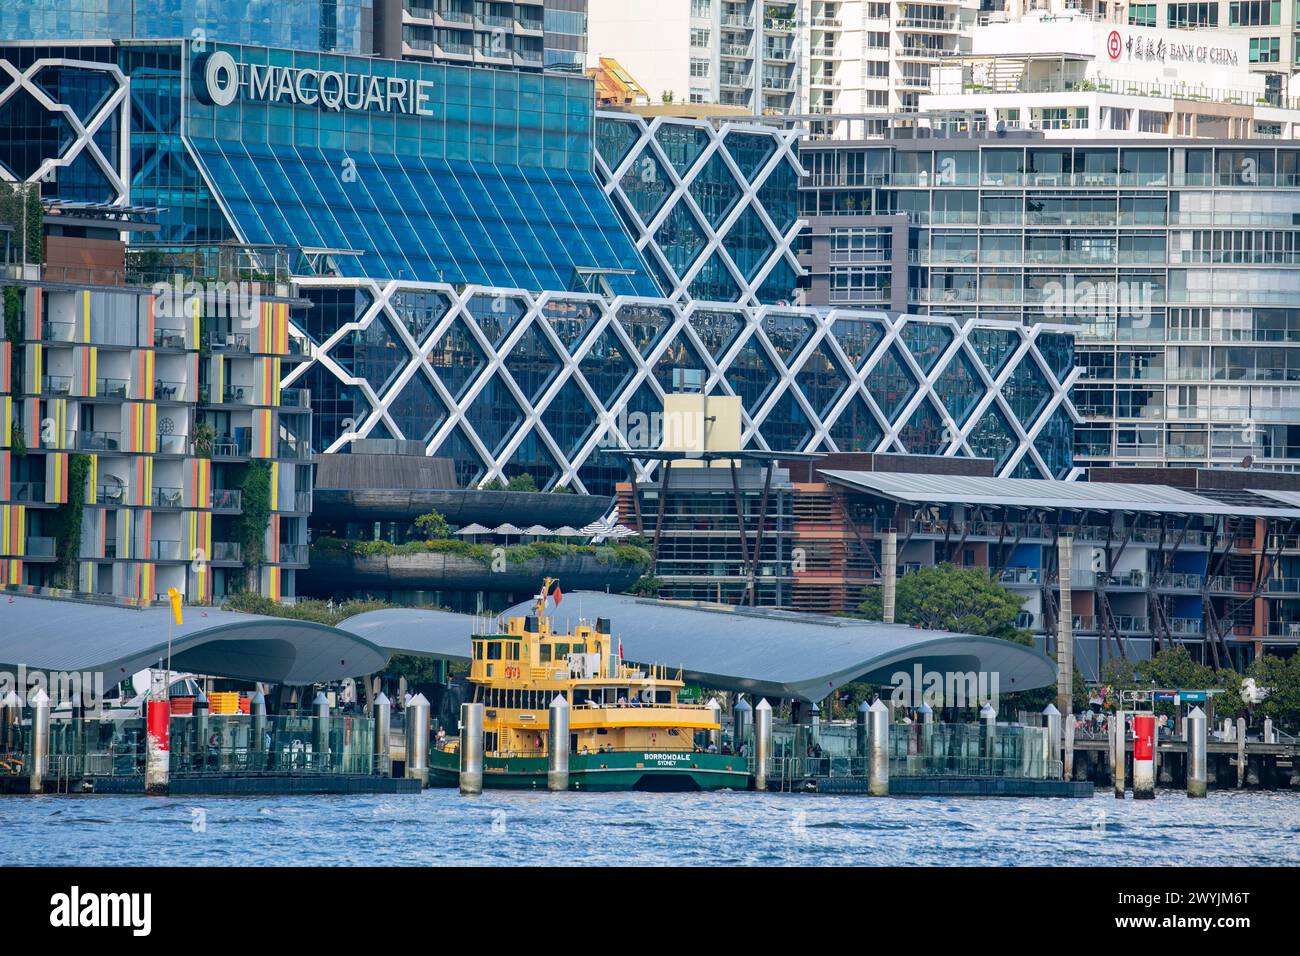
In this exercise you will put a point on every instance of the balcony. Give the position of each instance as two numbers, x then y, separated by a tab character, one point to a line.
168	339
56	384
111	387
226	552
26	491
99	441
168	391
165	550
110	493
227	447
293	554
296	448
173	445
59	332
40	548
167	497
227	499
229	341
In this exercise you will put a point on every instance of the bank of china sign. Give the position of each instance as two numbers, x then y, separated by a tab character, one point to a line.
1156	50
221	80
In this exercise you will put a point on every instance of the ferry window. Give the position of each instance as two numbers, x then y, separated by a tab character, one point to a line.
663	697
546	653
512	651
561	650
494	650
579	648
579	696
478	650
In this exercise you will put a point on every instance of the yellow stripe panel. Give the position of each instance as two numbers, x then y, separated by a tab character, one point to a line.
56	478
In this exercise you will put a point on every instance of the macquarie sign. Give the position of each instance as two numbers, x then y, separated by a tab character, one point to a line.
219	79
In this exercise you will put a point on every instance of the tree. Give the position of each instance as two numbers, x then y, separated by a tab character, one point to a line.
966	601
521	482
433	526
255	495
1281	678
946	598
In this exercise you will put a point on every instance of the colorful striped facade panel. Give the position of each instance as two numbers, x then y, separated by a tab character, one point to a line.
56	478
265	422
198	483
13	530
141	428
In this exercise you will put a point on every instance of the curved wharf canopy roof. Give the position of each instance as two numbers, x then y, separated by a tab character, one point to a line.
63	635
766	653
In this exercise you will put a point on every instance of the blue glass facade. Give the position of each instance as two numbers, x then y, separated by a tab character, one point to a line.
417	172
491	183
337	25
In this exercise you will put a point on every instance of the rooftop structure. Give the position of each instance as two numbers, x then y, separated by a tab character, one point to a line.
759	652
1072	76
1210	564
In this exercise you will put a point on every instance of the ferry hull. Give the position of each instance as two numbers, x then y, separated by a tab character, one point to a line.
645	771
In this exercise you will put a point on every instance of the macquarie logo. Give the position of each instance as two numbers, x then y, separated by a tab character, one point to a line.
76	909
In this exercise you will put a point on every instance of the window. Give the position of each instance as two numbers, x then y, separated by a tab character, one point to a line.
1254	13
699	66
700	37
877	40
1264	49
1142	15
1193	15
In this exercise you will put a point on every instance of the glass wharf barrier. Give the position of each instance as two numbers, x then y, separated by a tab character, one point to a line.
916	750
101	747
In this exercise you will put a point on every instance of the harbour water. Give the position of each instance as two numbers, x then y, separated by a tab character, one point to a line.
440	827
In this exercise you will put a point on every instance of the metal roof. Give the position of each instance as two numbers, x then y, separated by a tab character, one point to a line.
1043	493
766	653
1290	498
63	635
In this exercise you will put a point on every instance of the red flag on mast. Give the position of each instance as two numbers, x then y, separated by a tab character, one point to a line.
557	594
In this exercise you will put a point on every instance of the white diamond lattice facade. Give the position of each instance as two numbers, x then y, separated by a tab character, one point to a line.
552	385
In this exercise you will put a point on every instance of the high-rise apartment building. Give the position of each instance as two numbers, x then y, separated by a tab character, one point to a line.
1175	260
864	56
740	53
529	35
145	441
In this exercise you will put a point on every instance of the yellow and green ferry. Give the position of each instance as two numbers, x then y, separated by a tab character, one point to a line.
627	728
